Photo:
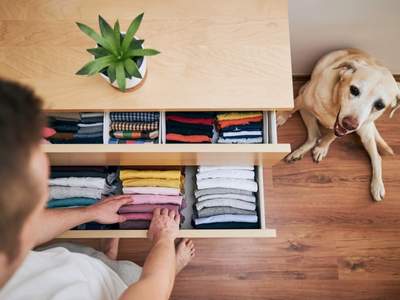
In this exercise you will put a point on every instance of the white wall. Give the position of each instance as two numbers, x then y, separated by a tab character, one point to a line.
318	26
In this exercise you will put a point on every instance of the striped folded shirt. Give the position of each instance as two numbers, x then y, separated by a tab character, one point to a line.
146	117
134	126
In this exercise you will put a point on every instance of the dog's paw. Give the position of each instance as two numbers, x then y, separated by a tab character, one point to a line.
295	155
282	117
319	153
377	189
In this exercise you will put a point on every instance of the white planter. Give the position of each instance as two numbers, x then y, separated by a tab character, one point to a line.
130	82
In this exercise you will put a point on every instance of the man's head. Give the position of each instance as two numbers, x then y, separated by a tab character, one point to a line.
23	170
364	92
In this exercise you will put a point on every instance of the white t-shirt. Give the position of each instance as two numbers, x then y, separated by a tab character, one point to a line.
59	274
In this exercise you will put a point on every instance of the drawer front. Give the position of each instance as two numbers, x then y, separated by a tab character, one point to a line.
263	232
267	154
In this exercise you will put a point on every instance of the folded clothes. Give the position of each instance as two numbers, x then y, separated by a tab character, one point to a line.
151	190
231	183
61	192
64	127
134	126
135	224
89	135
247	121
242	133
156	199
182	119
68	116
121	141
113	185
228	225
69	202
249	127
129	134
238	115
60	171
90	182
87	120
213	168
225	202
146	208
193	114
163	174
228	196
134	116
188	128
231	173
173	137
80	140
241	140
91	124
227	218
138	216
56	121
219	191
62	136
86	115
222	210
94	129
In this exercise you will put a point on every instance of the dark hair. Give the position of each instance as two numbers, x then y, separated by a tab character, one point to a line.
21	123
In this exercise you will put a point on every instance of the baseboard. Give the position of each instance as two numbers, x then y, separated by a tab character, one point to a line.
306	77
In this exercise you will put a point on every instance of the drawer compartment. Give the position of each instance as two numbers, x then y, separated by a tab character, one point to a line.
267	153
187	229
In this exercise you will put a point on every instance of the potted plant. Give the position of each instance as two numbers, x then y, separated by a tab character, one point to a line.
119	57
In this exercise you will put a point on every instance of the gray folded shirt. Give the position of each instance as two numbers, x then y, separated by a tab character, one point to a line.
213	191
222	210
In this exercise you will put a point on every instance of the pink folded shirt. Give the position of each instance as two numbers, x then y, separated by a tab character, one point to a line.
138	216
151	190
146	208
156	199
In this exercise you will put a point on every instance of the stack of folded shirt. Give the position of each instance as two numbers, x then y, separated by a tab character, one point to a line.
76	128
240	127
134	127
189	127
225	198
149	189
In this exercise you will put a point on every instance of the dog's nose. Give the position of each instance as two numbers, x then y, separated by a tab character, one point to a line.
350	123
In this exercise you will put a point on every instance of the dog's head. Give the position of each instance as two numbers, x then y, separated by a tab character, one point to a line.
364	92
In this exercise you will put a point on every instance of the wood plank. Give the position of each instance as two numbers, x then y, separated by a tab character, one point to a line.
166	154
215	55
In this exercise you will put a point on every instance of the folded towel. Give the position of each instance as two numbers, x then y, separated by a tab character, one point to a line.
228	196
228	225
156	199
222	210
62	192
89	182
162	174
241	174
242	133
226	218
135	224
138	216
238	115
146	208
134	126
215	191
151	190
213	168
91	124
146	117
202	121
173	137
70	202
231	183
134	135
247	121
241	140
225	202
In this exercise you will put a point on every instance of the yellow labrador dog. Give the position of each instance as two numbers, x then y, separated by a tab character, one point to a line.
347	92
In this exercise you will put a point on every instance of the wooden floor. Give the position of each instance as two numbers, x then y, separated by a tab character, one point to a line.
334	241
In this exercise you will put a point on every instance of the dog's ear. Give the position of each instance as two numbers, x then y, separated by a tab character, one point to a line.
346	68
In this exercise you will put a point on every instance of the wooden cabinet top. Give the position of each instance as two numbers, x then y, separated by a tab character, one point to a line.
215	55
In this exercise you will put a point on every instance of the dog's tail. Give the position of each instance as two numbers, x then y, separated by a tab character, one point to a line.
382	145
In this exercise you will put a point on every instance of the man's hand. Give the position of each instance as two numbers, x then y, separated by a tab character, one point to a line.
165	224
106	210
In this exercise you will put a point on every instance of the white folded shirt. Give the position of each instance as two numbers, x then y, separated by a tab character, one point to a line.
212	168
246	198
240	174
90	182
232	183
226	218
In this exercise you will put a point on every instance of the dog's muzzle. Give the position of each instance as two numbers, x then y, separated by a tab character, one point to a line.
338	129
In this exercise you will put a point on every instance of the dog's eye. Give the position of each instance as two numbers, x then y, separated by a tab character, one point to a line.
379	105
354	90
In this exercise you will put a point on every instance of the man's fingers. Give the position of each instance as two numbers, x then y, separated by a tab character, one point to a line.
177	218
156	212
172	213
126	200
121	219
164	212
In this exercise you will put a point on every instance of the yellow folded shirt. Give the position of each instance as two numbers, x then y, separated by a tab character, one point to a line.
172	183
168	174
238	115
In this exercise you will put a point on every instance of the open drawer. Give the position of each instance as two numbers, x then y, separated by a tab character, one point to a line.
267	153
186	231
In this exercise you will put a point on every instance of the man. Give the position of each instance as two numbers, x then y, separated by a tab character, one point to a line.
58	273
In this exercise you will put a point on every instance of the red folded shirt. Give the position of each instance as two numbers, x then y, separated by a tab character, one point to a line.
203	121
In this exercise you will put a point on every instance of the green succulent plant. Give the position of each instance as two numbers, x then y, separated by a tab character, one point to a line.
116	54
